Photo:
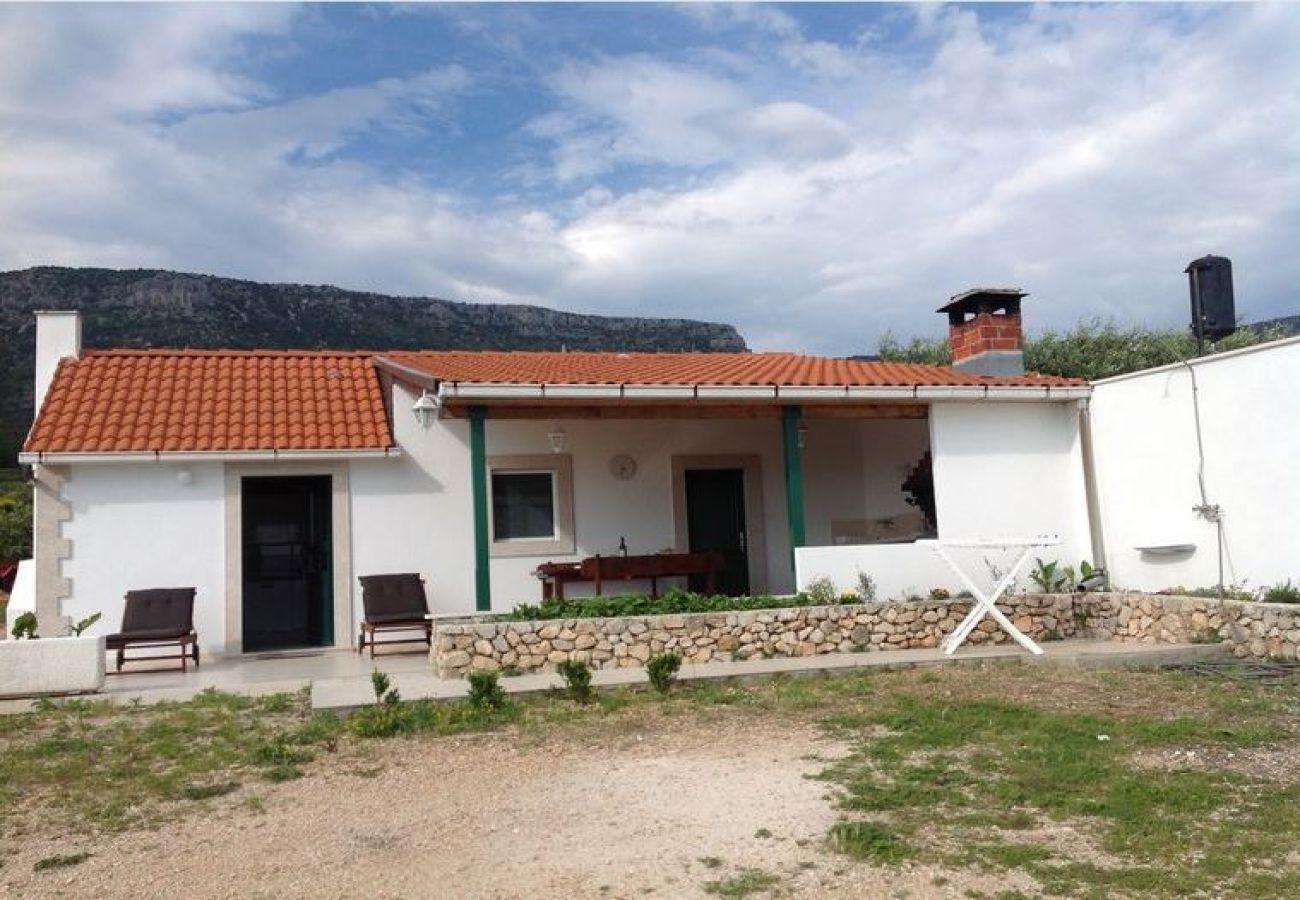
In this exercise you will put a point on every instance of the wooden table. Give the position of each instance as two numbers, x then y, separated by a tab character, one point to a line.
599	569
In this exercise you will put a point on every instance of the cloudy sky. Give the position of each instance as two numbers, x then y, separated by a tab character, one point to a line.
816	175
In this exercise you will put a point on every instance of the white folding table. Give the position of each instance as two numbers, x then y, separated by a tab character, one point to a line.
986	604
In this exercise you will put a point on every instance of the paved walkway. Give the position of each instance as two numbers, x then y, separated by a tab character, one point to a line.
340	679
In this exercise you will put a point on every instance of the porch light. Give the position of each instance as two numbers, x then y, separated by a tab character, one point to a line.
426	409
557	436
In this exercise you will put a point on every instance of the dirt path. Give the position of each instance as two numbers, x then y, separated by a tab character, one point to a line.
497	816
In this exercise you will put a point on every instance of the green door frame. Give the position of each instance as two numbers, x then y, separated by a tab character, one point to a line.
478	481
790	418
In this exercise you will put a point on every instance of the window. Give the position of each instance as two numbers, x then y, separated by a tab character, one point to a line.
531	504
523	506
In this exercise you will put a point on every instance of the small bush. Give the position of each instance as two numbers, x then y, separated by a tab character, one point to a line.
577	679
866	587
485	691
1282	592
1207	635
85	623
939	595
821	591
382	685
662	670
24	627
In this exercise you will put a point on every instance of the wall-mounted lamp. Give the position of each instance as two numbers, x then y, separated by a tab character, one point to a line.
427	409
557	436
802	431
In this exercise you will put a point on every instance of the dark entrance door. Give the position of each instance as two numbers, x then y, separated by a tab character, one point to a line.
288	582
715	522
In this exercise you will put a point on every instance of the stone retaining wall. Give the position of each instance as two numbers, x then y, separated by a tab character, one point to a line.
1261	630
702	637
1257	630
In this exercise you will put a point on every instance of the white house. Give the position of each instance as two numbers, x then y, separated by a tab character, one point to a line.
270	481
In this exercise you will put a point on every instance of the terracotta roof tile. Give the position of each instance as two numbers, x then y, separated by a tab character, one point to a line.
722	369
197	400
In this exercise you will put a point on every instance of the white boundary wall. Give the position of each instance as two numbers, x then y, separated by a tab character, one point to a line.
1000	470
1144	438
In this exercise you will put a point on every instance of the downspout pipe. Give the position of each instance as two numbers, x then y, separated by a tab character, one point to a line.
1096	533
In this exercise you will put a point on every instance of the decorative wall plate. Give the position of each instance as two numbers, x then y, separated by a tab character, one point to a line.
622	467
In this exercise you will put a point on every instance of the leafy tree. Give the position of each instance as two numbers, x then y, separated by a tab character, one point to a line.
15	525
1092	349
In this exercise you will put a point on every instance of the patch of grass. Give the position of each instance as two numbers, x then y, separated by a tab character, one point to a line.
711	862
61	861
763	833
208	791
744	884
943	765
869	841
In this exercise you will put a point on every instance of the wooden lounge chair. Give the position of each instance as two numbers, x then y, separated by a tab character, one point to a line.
159	617
394	603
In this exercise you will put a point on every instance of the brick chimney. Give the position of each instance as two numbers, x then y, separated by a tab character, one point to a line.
984	331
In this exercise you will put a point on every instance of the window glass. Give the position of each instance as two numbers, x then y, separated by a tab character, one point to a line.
523	505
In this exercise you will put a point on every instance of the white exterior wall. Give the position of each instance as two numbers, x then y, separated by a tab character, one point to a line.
1144	439
138	526
1001	469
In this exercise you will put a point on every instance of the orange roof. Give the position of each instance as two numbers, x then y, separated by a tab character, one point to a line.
723	369
205	400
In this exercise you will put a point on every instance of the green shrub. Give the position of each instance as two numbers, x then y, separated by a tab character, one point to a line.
670	603
577	679
485	691
662	669
1282	592
866	587
821	591
85	623
24	626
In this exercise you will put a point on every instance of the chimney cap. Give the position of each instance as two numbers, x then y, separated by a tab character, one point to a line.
976	298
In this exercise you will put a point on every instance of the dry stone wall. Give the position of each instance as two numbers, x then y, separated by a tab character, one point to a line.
1259	630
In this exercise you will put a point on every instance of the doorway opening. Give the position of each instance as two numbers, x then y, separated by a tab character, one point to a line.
288	584
715	523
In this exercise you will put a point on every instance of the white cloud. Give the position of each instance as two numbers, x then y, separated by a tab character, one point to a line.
816	193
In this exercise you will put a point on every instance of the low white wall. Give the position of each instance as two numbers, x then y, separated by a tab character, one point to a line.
898	570
139	526
1144	438
1000	470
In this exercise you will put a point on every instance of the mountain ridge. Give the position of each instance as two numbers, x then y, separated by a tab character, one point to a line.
166	309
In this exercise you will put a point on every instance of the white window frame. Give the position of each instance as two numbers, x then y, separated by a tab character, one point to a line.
560	467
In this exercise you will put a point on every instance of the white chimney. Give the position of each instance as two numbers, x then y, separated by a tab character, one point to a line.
58	336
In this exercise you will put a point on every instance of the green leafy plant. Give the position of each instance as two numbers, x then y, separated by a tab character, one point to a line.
1206	635
382	685
485	691
821	590
662	670
24	627
1049	577
577	679
938	595
85	623
1282	592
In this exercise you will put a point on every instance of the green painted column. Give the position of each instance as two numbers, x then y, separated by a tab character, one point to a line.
478	481
790	416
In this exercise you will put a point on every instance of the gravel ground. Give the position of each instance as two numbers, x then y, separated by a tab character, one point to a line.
500	816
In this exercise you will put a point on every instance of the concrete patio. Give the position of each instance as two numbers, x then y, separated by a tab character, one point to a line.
340	680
